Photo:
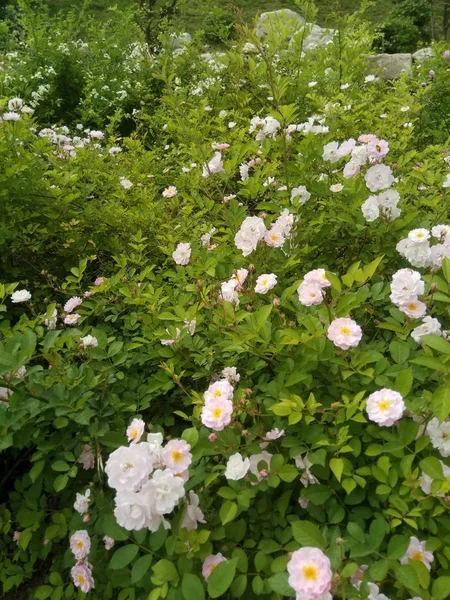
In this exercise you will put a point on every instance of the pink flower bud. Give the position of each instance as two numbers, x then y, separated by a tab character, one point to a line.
86	518
248	391
212	437
276	302
263	473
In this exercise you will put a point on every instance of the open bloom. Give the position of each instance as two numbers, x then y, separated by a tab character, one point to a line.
72	303
264	283
82	577
231	374
309	572
318	277
163	491
439	434
300	195
216	413
80	544
89	341
20	296
379	177
182	254
344	333
309	293
215	165
81	504
128	468
237	467
135	431
177	456
417	551
385	407
219	390
429	326
170	192
210	563
72	319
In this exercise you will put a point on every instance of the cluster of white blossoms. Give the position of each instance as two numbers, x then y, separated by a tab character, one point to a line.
312	289
406	287
314	124
416	248
385	407
310	574
149	479
229	289
267	127
66	145
439	434
80	544
16	107
253	230
384	205
218	407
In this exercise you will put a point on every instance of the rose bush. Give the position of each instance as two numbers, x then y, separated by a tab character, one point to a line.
246	392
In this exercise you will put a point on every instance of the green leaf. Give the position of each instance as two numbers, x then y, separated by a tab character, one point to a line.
60	465
335	282
43	592
227	512
404	382
432	363
239	586
36	470
437	343
190	436
113	530
165	570
337	466
399	351
60	482
446	272
279	584
407	576
192	587
441	588
432	467
398	544
378	570
140	567
123	556
25	538
440	402
307	534
221	578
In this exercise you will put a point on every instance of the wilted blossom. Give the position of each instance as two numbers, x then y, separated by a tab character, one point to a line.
86	457
193	514
81	504
108	541
89	341
72	303
16	536
300	195
231	374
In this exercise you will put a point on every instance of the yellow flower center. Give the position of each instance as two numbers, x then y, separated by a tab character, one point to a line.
417	555
217	412
264	281
384	404
324	277
412	306
217	393
274	237
211	569
420	234
310	572
176	456
345	330
79	545
134	434
80	579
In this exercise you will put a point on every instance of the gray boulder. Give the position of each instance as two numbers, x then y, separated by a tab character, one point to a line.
279	21
390	66
317	36
423	54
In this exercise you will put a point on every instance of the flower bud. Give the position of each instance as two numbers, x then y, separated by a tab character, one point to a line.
212	437
263	473
276	302
86	518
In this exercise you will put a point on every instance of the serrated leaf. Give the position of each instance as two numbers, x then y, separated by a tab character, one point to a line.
307	533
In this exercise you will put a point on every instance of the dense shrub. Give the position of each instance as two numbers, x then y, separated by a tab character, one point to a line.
261	287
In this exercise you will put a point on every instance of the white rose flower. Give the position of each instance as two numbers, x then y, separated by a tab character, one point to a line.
20	296
379	177
237	467
163	491
128	467
182	254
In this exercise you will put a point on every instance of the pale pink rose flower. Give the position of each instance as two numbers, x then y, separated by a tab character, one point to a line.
317	276
170	192
265	283
99	281
366	138
385	407
72	303
80	544
177	456
274	434
82	577
16	536
351	169
346	147
219	390
216	414
309	294
72	319
417	551
210	563
310	572
377	148
274	238
135	431
344	333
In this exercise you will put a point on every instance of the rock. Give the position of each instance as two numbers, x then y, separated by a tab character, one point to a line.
423	54
317	36
177	41
279	20
390	66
